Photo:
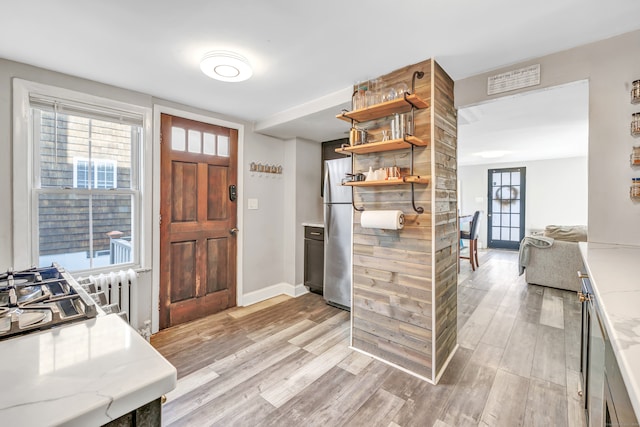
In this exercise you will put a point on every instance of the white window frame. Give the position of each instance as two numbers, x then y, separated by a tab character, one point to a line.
25	212
96	163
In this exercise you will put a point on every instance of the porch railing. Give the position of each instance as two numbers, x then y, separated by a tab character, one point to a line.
120	251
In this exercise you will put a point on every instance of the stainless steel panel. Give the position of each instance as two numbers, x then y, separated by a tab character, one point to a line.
618	406
334	172
338	251
595	382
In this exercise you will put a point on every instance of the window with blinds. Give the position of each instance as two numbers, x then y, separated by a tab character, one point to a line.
85	183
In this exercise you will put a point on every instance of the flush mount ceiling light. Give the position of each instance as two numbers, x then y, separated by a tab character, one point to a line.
226	66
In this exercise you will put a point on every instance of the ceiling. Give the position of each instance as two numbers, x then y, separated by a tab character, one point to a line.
305	55
544	124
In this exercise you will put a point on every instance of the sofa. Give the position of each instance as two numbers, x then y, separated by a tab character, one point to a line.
556	262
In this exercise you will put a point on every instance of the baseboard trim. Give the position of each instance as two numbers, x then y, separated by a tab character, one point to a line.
273	291
446	363
422	377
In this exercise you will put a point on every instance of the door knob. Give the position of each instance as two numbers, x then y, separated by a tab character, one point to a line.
233	231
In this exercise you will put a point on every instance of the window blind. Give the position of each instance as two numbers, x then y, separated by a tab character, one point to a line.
76	108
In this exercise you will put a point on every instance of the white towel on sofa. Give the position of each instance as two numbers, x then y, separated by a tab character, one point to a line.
538	242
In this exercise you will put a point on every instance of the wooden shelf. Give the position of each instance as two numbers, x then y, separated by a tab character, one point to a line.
414	179
384	109
380	146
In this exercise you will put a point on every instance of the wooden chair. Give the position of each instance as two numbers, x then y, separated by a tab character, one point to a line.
472	237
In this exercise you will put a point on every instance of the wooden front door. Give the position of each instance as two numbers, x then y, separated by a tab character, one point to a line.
198	219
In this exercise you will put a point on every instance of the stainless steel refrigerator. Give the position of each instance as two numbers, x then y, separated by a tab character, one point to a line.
338	235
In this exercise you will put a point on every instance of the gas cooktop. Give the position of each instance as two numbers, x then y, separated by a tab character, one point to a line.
41	298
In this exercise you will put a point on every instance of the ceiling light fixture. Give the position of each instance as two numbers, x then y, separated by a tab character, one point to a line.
226	66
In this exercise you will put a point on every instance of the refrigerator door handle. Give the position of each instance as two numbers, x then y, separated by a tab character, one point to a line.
327	222
326	193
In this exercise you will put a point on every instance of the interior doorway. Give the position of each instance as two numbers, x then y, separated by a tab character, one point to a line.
544	130
198	219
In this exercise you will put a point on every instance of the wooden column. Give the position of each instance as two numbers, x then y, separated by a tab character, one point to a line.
405	281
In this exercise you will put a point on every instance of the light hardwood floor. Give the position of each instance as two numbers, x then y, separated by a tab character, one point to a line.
286	362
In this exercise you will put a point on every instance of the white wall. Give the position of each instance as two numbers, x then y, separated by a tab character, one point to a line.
610	66
302	201
262	231
264	227
308	200
556	192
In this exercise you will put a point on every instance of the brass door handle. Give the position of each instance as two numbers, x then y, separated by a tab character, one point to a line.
233	231
582	275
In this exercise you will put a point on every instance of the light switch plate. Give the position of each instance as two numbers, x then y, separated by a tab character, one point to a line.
252	204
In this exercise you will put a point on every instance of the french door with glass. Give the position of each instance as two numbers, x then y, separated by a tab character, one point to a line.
505	228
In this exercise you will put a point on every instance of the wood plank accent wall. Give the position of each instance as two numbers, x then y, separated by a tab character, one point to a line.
404	281
445	217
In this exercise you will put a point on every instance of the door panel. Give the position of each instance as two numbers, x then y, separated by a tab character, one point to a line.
506	207
217	274
197	251
183	270
184	178
216	208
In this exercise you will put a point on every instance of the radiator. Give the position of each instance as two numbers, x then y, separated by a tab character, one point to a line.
113	292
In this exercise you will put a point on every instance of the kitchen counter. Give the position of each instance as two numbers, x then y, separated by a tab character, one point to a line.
313	224
616	285
80	374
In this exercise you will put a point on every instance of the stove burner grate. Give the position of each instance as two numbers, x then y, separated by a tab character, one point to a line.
41	298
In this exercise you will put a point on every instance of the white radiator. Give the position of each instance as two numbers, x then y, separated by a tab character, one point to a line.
118	288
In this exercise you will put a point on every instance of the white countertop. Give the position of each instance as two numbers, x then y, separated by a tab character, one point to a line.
616	285
80	374
313	224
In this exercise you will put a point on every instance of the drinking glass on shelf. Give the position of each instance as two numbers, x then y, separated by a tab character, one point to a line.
370	98
375	86
391	94
359	98
408	124
401	89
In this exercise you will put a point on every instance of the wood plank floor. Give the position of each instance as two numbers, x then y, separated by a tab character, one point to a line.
286	362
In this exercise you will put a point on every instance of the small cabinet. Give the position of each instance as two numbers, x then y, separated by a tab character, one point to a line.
607	402
314	258
618	410
595	369
592	355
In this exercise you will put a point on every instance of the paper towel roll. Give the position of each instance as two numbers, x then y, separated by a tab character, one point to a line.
388	220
